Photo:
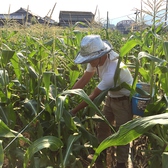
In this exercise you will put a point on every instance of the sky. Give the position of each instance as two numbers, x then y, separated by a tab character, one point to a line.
117	9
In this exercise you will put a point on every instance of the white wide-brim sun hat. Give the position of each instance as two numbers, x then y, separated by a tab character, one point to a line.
91	48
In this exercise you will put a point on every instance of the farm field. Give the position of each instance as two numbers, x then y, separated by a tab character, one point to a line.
37	73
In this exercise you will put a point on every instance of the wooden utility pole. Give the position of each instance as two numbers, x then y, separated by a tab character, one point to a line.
107	26
136	13
107	21
166	13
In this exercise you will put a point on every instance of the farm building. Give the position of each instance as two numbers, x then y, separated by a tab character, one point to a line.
67	18
22	16
46	19
125	26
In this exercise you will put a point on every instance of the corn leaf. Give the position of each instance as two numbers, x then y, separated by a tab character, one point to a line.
128	46
46	81
98	100
1	154
6	56
51	142
71	140
84	96
60	107
16	66
130	131
5	131
164	160
73	77
69	122
165	47
31	106
151	57
4	77
32	72
87	135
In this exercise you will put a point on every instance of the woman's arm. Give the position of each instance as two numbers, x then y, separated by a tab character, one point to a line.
83	104
83	80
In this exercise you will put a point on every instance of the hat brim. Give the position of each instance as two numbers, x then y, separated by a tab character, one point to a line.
86	59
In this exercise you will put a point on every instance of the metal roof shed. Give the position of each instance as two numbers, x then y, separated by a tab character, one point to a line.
71	17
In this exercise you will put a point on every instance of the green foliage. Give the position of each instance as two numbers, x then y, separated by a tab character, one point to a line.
1	154
36	76
164	159
50	142
135	128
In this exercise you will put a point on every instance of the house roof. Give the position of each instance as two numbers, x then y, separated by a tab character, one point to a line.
12	16
79	13
23	10
19	14
46	19
4	16
125	22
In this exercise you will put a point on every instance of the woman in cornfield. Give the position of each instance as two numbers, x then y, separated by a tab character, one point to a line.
101	58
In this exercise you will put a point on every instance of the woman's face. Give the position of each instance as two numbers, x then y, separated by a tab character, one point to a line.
95	63
99	61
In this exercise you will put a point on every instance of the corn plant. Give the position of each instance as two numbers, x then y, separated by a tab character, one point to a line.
36	72
146	56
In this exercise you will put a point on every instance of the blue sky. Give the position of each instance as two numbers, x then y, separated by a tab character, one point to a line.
117	9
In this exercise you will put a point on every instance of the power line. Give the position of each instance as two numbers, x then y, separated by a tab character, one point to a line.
122	16
146	18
